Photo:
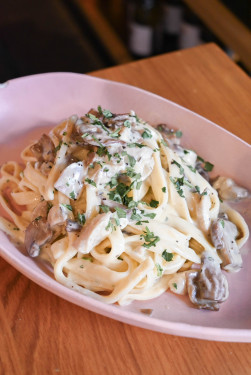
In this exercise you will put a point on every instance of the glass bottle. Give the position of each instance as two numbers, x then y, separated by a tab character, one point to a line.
173	14
145	28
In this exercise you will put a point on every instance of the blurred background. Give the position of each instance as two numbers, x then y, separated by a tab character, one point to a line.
38	36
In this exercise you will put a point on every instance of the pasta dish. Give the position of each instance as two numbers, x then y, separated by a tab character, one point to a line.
123	212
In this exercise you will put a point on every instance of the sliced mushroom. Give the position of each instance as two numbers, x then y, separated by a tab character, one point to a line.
72	226
37	234
46	167
208	287
93	233
169	135
44	149
223	235
229	190
40	211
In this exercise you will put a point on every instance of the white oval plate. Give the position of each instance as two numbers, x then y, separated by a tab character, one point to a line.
36	103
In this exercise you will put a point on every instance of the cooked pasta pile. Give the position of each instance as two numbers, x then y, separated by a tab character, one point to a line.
122	212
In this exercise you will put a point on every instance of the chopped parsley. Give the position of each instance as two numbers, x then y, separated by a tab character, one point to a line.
150	238
115	134
167	256
154	203
64	133
105	112
104	208
68	206
178	133
146	134
127	124
120	212
97	121
58	146
198	190
175	286
135	215
132	160
200	158
38	218
208	166
151	215
81	218
139	145
192	168
138	185
178	183
164	142
72	195
159	269
222	223
91	182
164	189
179	166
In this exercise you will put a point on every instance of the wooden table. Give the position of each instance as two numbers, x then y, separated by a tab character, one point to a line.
43	334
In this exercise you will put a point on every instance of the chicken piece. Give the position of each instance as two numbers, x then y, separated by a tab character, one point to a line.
70	182
223	235
44	149
208	287
93	233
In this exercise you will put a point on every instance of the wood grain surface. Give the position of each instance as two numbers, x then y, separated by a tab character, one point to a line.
43	334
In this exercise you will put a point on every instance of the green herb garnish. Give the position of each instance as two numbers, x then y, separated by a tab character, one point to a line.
159	269
81	218
167	256
72	195
146	134
120	212
91	182
154	203
68	206
150	238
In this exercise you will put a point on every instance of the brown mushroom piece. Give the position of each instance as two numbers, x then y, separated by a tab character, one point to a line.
41	210
72	226
229	190
37	234
207	287
223	236
169	136
44	149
